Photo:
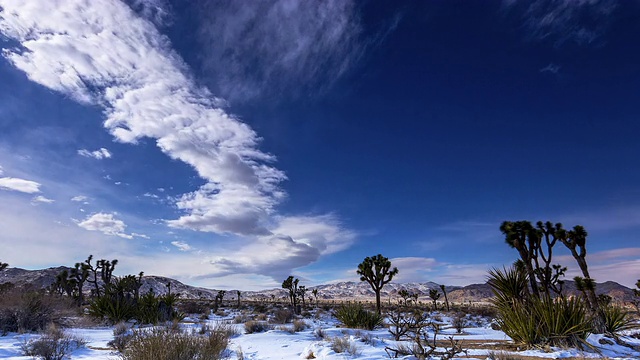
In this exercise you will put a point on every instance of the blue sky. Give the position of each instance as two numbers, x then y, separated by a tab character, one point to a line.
230	144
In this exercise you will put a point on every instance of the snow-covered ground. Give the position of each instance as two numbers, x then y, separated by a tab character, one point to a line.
282	344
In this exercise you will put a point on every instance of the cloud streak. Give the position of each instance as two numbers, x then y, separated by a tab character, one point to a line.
99	154
583	22
101	53
253	49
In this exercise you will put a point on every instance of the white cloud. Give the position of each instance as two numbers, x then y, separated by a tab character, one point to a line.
181	245
21	185
106	224
147	92
99	154
101	53
250	49
79	198
42	199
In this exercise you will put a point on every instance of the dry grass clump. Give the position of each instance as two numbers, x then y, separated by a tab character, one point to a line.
344	345
54	344
251	327
166	344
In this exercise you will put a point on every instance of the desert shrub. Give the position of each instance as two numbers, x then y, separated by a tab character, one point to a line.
366	338
121	337
54	344
355	316
319	333
617	319
193	307
299	325
536	320
26	311
251	327
282	316
164	344
458	322
344	345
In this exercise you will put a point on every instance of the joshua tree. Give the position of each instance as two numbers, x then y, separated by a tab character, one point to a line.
377	272
315	294
636	292
104	268
302	291
434	295
238	293
446	299
291	284
218	299
3	265
405	295
535	246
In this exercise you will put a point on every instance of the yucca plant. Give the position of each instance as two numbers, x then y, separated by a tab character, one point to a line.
617	319
561	321
356	316
535	320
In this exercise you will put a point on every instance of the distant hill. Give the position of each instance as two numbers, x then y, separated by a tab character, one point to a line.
336	291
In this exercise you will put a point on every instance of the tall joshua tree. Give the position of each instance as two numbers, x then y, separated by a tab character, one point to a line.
446	299
291	284
3	265
377	272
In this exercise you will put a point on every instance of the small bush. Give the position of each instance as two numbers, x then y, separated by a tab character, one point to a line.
26	312
193	307
344	345
121	337
55	344
459	322
251	327
164	344
355	316
319	333
299	325
282	316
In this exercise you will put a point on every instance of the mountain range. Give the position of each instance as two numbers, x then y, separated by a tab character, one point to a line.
334	291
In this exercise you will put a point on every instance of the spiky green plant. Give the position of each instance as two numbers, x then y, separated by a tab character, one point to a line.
533	320
357	317
616	319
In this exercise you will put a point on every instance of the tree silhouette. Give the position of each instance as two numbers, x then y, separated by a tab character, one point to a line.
291	284
434	295
377	272
446	299
3	265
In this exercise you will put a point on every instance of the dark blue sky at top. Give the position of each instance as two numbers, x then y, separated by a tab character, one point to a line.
453	117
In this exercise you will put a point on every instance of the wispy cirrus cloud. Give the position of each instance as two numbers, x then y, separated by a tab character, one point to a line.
583	22
253	49
99	154
103	53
